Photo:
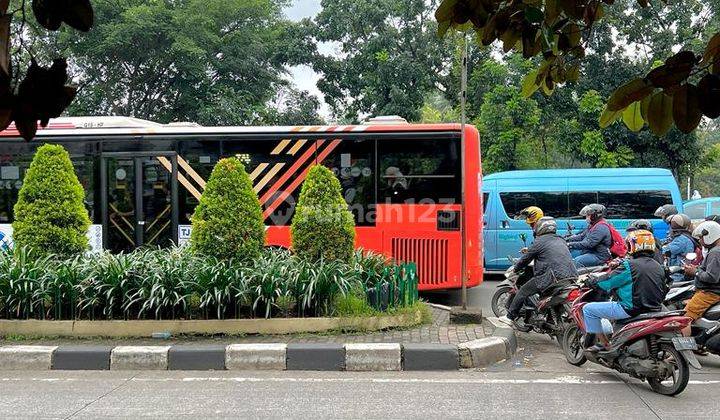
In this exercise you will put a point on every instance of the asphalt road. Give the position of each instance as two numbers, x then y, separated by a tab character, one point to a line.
524	393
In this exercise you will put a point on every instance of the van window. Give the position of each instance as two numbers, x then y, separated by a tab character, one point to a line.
578	200
633	204
486	197
553	204
695	211
715	208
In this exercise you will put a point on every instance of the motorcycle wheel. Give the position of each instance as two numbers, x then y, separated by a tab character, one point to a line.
572	346
500	301
677	382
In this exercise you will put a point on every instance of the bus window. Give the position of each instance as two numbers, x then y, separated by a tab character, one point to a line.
201	157
553	204
631	205
82	157
353	162
14	162
419	171
695	211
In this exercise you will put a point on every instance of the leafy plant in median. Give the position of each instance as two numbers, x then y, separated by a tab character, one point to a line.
178	284
228	222
50	216
322	227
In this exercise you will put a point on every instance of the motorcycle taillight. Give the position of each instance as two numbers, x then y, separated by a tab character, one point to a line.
573	295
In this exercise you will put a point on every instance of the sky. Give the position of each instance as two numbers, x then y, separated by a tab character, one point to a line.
303	76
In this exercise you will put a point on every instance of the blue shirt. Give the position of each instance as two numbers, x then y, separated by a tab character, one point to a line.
678	248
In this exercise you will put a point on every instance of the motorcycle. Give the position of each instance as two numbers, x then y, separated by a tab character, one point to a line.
679	292
706	330
648	347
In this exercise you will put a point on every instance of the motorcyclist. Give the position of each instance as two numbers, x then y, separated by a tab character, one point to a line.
638	283
591	247
664	212
681	242
530	215
643	224
553	265
707	275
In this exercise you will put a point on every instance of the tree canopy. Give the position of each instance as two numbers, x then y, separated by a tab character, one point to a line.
560	31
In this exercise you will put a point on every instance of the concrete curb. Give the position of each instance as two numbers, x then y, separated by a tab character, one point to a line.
301	356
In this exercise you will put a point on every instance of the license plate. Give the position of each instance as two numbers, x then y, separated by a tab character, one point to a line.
684	343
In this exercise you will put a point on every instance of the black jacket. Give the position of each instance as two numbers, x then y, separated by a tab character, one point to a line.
552	258
638	283
708	274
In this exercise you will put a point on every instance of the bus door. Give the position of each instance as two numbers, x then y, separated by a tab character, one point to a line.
139	200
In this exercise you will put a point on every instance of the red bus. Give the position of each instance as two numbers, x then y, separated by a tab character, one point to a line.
403	182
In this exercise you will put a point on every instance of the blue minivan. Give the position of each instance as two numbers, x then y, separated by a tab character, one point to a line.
702	208
627	193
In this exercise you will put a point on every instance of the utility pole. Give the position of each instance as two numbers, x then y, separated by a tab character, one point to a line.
463	230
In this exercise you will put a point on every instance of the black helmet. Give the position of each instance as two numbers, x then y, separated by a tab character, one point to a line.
545	226
663	212
640	224
595	211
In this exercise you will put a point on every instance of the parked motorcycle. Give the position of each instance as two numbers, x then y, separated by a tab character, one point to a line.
648	347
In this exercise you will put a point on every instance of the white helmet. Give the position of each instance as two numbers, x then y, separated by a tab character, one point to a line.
707	232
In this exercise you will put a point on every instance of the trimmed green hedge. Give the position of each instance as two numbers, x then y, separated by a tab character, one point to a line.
228	222
50	216
322	227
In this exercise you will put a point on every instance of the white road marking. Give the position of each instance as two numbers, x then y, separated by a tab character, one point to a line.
564	380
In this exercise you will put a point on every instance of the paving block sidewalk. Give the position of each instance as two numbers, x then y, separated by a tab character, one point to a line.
439	331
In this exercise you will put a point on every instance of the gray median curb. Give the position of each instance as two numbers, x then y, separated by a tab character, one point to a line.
306	356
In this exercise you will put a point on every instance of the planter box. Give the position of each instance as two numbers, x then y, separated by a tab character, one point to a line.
206	327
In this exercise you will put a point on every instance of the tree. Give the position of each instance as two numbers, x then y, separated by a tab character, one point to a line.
322	227
42	94
228	221
507	124
559	32
292	107
215	62
390	57
50	216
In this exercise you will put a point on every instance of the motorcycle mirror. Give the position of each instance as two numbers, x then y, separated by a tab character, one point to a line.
691	256
523	238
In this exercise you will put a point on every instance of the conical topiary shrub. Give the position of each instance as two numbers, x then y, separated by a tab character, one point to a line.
228	222
322	226
50	216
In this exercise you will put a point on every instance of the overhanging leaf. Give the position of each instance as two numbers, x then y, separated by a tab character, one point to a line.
529	84
79	15
608	117
686	108
634	90
709	87
660	113
633	118
712	51
5	46
675	70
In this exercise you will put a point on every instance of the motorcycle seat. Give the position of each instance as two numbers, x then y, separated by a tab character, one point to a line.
681	284
649	315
